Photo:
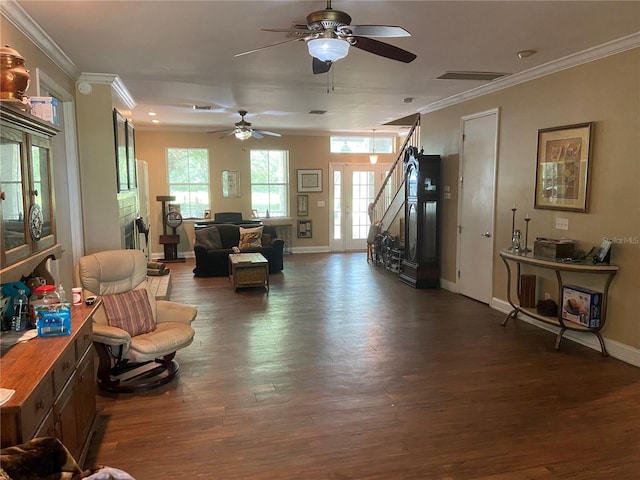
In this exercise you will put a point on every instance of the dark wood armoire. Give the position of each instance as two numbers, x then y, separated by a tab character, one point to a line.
421	263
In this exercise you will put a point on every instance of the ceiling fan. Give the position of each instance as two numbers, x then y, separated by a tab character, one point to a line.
329	34
243	130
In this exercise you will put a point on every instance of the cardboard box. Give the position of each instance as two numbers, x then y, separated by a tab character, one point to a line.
582	306
46	108
551	249
53	320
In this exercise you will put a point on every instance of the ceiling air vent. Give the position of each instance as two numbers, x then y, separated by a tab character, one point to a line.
481	76
203	107
317	112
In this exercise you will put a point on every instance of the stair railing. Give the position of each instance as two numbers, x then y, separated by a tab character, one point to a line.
394	180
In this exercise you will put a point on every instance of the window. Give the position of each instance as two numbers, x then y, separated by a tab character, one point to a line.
188	172
362	144
270	182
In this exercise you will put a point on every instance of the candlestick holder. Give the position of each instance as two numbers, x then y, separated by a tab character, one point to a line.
526	248
513	221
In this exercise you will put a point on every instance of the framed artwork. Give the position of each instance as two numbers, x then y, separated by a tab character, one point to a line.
309	180
303	205
131	156
562	169
120	135
230	184
207	214
304	229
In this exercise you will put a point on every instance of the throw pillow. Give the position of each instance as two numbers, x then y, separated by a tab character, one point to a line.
209	238
130	311
250	238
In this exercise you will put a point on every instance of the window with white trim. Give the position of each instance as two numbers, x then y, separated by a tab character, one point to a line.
270	182
188	180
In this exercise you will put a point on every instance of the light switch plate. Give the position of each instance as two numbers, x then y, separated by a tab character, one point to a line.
321	203
562	223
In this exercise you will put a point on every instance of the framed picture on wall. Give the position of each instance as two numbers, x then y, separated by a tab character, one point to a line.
303	205
230	184
309	180
305	229
131	156
120	136
562	169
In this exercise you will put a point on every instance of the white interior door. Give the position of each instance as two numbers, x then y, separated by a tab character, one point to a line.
353	188
477	198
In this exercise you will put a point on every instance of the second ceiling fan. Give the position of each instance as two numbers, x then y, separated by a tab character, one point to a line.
243	130
329	34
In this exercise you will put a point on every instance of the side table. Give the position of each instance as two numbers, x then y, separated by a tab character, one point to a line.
248	270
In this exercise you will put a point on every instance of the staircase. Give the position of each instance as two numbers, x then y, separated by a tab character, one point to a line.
389	202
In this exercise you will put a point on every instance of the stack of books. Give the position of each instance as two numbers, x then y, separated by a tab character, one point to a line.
156	269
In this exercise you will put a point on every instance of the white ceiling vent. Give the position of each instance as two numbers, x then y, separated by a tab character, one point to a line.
481	76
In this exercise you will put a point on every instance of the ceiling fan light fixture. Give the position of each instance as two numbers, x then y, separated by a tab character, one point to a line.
243	134
328	49
373	158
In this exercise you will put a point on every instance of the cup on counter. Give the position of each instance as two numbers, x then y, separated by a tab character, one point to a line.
76	295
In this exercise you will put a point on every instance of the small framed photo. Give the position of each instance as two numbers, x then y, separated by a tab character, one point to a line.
230	184
173	207
304	229
254	213
207	214
303	205
562	170
309	180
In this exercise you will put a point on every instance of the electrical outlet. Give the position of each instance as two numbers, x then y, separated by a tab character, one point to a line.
562	224
547	295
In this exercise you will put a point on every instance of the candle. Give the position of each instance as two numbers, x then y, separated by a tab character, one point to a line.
527	217
514	206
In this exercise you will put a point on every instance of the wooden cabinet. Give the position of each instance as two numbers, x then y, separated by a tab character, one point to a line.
421	263
26	186
55	388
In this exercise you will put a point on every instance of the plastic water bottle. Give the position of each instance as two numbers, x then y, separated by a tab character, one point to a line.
20	312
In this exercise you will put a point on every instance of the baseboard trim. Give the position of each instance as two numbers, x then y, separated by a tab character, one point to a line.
310	250
621	351
447	285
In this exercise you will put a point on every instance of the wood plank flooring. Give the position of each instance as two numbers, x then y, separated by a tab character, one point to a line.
343	372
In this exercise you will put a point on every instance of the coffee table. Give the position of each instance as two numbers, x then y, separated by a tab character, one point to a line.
248	270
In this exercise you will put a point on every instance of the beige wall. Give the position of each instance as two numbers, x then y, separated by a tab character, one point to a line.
605	92
231	154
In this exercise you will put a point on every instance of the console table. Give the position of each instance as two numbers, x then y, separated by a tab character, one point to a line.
55	388
609	271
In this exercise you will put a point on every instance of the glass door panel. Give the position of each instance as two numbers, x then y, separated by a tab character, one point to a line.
13	208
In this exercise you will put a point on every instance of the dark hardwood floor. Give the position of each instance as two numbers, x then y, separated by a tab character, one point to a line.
343	372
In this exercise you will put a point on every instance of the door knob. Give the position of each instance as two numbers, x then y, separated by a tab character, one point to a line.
486	234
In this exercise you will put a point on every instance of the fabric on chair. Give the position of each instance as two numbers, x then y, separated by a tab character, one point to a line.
250	238
130	311
266	239
209	238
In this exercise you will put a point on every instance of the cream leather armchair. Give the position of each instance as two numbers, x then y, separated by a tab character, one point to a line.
131	362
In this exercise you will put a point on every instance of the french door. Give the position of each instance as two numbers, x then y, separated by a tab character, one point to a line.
352	188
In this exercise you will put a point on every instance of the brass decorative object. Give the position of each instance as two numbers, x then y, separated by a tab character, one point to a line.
15	77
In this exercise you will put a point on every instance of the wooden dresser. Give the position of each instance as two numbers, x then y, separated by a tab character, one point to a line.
55	388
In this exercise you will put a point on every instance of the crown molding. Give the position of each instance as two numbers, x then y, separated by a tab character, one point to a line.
117	85
15	14
601	51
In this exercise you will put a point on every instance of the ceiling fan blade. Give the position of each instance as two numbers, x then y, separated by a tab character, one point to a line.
267	46
374	30
318	66
226	130
255	134
265	132
384	49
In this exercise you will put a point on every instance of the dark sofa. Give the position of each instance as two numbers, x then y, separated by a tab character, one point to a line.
214	243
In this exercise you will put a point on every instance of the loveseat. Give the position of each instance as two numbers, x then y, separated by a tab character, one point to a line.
213	244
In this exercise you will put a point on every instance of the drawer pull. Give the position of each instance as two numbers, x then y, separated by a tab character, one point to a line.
39	405
66	365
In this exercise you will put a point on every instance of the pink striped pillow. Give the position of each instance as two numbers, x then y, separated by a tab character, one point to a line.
130	311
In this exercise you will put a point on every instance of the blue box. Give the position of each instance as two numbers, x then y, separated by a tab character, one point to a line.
53	320
581	305
46	108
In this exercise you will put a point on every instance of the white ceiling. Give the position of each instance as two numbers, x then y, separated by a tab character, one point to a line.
173	54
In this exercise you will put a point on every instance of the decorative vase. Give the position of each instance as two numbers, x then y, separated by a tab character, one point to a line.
14	78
